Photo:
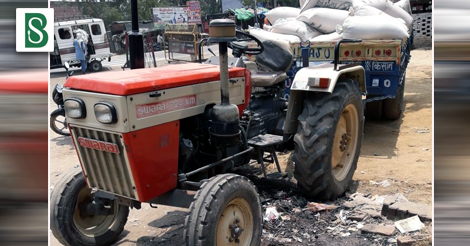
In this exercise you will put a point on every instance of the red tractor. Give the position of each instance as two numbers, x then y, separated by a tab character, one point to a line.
173	135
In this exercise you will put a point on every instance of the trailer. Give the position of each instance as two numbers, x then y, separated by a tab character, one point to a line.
384	62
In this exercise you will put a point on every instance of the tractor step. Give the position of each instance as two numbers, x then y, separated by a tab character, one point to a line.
266	142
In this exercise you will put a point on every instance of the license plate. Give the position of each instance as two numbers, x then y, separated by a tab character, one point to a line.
98	145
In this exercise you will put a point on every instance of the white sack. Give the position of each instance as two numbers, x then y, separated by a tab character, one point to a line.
267	28
281	12
404	4
301	3
334	4
373	27
323	19
397	12
263	35
331	4
291	26
327	37
308	4
366	10
378	4
387	7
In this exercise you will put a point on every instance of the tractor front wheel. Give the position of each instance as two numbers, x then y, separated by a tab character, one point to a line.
225	211
328	141
71	224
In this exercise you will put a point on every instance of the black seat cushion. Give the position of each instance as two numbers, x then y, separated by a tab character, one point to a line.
275	57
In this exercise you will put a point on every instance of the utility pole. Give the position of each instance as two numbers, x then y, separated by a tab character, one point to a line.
136	40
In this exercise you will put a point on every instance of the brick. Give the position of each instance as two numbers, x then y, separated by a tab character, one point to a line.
414	240
405	241
378	229
357	201
403	210
357	217
373	213
389	200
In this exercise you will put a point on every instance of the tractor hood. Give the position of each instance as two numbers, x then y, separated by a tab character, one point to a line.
145	80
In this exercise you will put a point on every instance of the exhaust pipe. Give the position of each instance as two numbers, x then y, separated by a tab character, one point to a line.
224	116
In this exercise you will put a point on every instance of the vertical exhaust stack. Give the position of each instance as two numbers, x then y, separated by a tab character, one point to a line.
136	40
224	116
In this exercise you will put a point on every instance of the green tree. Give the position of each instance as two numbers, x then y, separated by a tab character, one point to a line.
144	8
210	7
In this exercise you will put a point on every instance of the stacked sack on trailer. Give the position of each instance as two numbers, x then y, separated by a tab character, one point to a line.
332	20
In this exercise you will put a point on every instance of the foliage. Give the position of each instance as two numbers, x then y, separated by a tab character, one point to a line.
120	10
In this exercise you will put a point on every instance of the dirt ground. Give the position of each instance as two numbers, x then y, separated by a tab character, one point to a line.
397	151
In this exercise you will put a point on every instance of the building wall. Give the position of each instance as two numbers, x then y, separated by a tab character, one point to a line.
422	29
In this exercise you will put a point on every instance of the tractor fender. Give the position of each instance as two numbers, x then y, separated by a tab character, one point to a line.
306	78
300	88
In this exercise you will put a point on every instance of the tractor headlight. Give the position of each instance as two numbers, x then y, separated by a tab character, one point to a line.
105	113
75	108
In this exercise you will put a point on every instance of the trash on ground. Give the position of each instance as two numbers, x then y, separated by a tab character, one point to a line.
316	207
409	225
271	214
422	130
384	183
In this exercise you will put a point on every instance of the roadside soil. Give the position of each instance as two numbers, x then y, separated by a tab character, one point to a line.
397	151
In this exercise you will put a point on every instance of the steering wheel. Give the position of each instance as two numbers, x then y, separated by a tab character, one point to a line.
240	46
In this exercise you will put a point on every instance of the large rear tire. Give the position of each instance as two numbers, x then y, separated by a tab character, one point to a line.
73	228
328	141
225	211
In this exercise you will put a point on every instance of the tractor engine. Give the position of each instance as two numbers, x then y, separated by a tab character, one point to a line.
266	112
137	131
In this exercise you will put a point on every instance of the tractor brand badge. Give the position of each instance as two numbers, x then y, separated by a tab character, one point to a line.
34	30
98	145
147	110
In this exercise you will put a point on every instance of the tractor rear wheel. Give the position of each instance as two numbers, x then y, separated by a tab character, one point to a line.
71	225
328	141
225	211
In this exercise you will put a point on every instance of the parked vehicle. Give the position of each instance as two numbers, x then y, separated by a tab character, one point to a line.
97	48
174	135
58	122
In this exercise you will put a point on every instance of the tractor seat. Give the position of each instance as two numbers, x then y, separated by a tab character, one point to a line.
276	59
265	79
276	56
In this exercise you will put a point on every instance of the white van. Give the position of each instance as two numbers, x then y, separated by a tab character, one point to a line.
97	47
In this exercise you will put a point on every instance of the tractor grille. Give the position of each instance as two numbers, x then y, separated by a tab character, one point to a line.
105	171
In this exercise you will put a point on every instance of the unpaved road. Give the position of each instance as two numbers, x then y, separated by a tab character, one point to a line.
398	151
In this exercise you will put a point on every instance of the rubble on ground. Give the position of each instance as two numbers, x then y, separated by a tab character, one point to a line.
355	219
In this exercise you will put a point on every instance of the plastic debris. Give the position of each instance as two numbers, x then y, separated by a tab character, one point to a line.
316	207
360	225
271	214
409	225
422	130
384	183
